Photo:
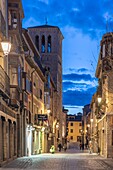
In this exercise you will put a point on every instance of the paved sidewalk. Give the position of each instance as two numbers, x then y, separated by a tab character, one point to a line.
72	159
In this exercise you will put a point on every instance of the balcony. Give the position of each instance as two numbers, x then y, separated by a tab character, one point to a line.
23	99
26	83
4	84
15	97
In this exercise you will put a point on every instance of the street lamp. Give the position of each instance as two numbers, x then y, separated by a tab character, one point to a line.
6	46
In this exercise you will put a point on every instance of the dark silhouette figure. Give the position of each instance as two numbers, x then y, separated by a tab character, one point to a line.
59	147
80	146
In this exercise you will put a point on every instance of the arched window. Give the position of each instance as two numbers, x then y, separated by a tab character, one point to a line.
49	44
37	41
43	44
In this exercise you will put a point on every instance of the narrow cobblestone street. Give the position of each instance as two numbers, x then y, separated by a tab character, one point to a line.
72	159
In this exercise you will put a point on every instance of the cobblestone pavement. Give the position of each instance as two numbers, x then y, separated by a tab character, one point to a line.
71	160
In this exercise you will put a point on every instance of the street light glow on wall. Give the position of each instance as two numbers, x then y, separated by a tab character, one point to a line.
99	99
48	111
6	46
88	125
91	119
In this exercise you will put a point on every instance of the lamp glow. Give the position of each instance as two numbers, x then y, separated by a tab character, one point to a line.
99	99
88	125
91	119
48	111
6	46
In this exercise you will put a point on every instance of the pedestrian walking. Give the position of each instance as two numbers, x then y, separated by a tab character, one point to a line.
59	147
82	146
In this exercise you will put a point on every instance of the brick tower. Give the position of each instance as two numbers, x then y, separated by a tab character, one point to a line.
48	41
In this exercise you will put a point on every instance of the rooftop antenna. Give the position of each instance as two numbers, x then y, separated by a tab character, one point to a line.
46	21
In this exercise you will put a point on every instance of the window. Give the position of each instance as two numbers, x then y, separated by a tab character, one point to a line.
43	44
37	41
40	94
19	76
28	85
71	137
49	44
14	19
103	51
71	130
71	124
14	76
109	49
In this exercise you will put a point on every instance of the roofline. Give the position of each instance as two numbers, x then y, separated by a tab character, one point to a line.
46	26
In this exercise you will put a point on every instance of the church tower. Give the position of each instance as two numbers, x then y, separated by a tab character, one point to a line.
48	41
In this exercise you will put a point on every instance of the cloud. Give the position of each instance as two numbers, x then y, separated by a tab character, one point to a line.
30	21
78	98
82	14
80	70
68	85
78	77
73	109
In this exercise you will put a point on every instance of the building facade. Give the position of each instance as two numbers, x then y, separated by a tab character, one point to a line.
102	109
74	128
10	66
48	40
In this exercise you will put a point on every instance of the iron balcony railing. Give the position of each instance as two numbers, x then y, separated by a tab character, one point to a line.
4	83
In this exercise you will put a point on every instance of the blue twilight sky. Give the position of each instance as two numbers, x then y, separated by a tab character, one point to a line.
82	22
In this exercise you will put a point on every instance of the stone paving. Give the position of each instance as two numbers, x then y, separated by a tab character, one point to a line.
70	160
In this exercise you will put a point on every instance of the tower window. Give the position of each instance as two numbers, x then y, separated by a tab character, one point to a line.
37	41
49	44
43	44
